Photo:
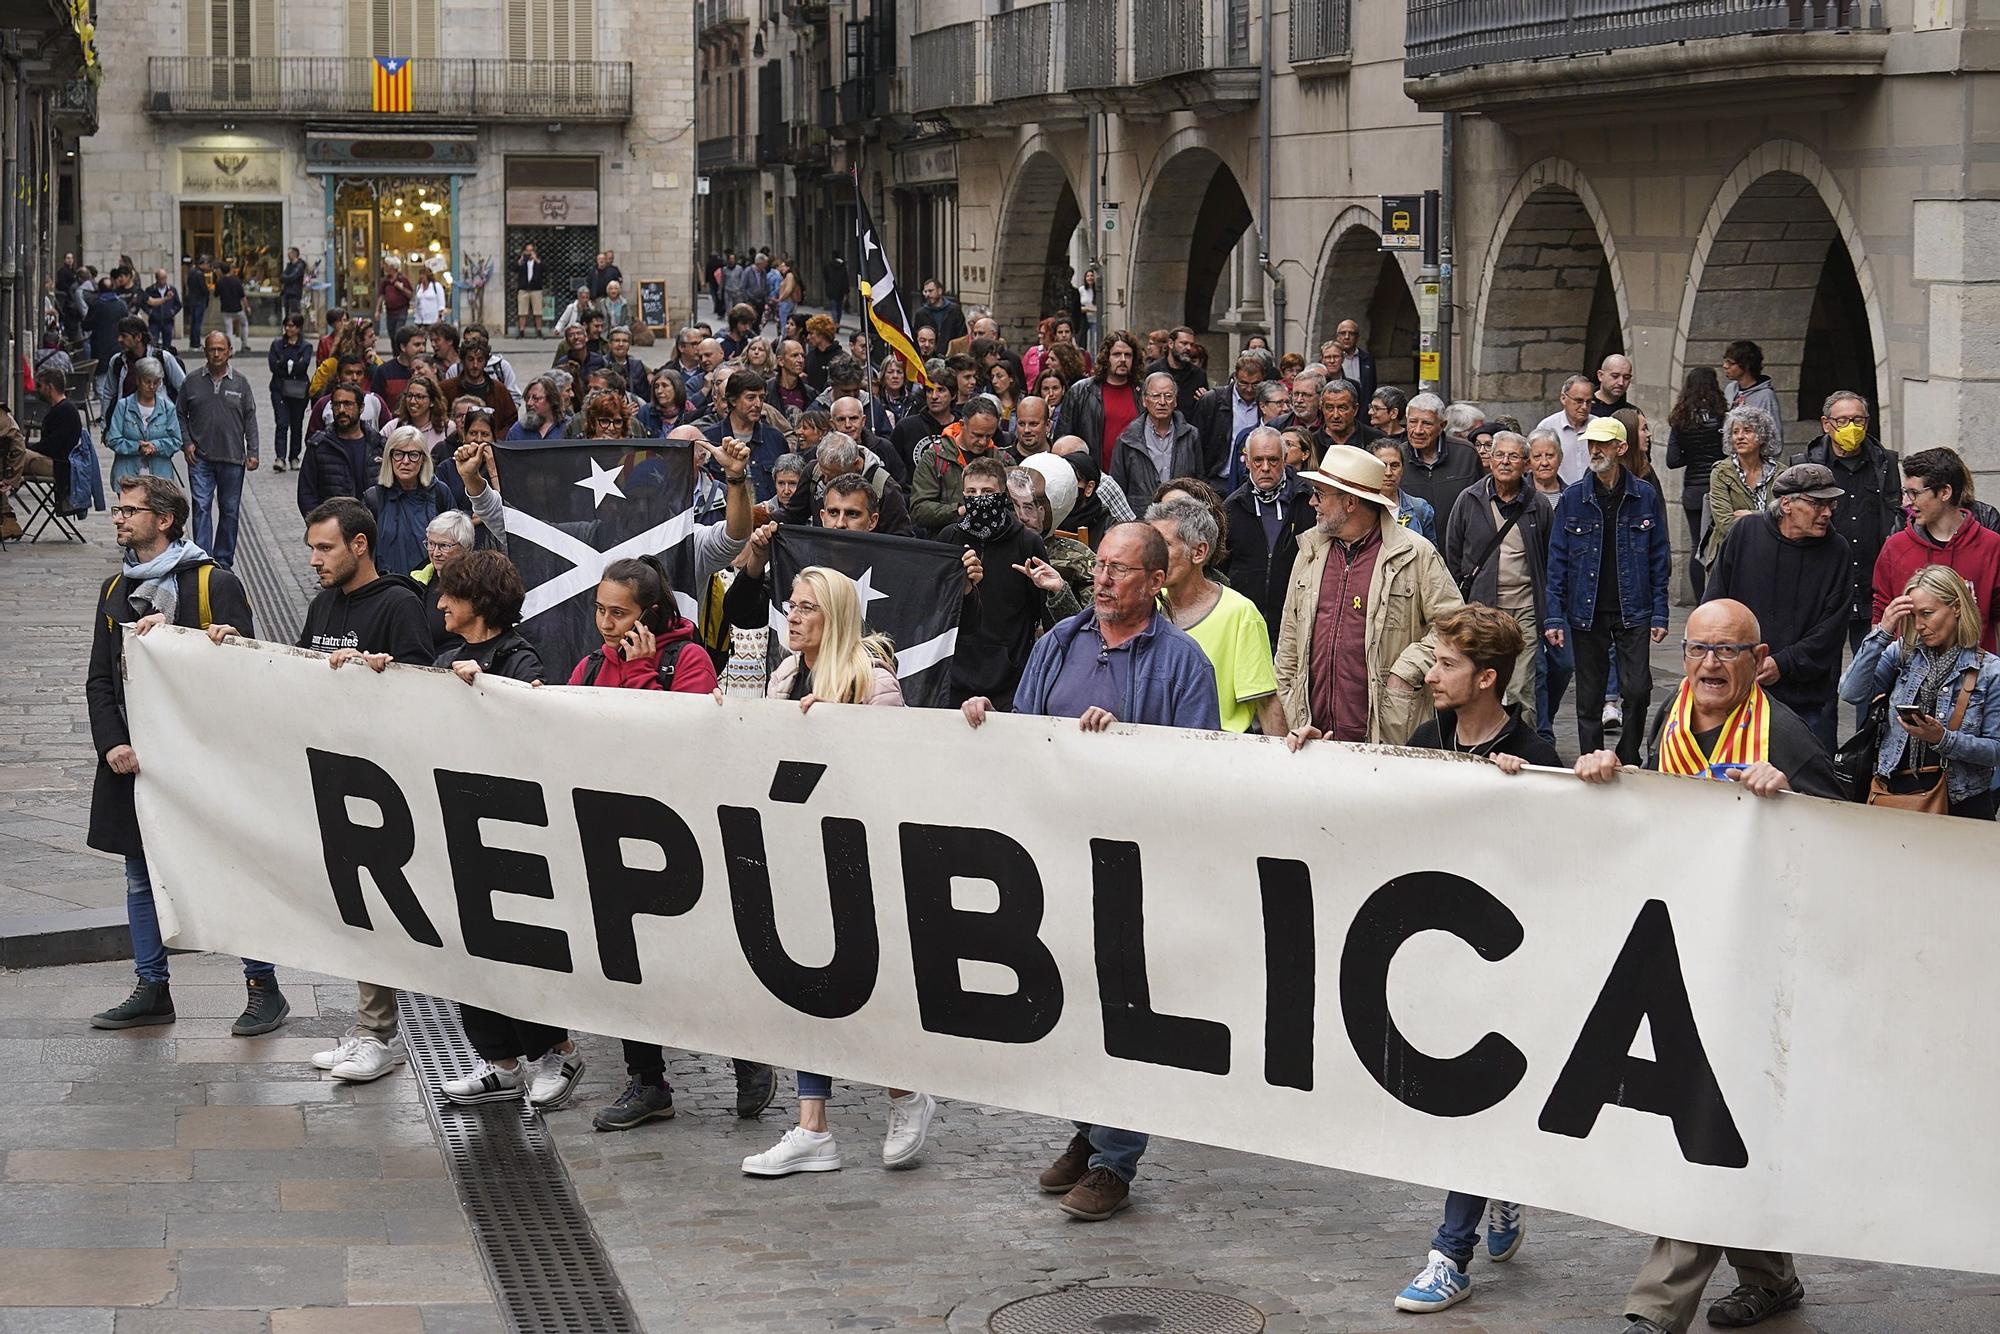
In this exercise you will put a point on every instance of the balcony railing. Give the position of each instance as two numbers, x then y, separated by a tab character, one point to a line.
715	13
1441	36
1090	44
1183	36
944	67
300	86
1020	44
723	153
1321	29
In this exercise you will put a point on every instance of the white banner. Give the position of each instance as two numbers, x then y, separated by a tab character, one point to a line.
1663	1003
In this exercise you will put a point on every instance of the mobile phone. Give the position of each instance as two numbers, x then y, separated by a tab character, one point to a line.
1910	713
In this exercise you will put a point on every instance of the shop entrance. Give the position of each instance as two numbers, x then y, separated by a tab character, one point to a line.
376	218
252	235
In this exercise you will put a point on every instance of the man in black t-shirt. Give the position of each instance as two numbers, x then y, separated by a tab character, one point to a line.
1476	649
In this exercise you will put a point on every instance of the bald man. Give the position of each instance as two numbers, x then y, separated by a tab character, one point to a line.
1721	725
1614	379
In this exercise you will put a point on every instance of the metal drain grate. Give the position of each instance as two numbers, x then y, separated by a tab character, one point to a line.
1127	1311
543	1258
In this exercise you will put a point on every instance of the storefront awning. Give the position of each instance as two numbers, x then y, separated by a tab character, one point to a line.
353	151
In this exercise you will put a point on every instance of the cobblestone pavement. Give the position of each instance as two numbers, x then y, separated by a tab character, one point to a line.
182	1180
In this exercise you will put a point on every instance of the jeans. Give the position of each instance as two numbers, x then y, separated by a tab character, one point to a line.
1594	648
815	1086
149	952
218	486
1118	1150
195	315
1557	666
785	309
288	437
1458	1236
393	320
836	305
1695	505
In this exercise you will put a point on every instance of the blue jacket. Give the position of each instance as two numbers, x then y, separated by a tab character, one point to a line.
125	430
767	446
1417	514
1576	538
1970	753
1172	682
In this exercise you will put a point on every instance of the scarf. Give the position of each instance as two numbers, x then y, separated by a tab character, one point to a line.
1745	737
1934	671
154	587
1760	493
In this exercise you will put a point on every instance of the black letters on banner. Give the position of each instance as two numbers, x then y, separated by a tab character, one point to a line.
479	872
1289	962
1409	904
848	979
941	935
1131	1028
349	848
1679	1083
618	892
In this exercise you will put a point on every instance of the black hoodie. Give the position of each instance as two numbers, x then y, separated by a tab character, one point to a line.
1000	614
383	616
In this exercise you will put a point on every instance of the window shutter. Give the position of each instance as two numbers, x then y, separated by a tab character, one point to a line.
381	32
583	19
517	29
423	28
356	43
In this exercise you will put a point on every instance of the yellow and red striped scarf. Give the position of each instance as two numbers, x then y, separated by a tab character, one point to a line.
1745	737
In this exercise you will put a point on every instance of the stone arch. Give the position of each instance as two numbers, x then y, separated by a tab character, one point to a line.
1031	258
1779	260
1361	282
1552	299
1193	214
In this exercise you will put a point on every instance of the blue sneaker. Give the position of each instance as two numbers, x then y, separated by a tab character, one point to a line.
1504	1230
1441	1284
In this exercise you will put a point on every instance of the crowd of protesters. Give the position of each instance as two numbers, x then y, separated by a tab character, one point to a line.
1293	549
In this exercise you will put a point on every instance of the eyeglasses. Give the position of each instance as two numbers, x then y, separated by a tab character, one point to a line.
1816	502
802	609
1695	652
440	548
407	455
1858	420
1117	571
127	511
1911	493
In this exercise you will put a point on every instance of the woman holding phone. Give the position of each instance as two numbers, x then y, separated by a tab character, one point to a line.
1944	695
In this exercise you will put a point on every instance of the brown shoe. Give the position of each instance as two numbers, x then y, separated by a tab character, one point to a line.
1100	1194
1063	1174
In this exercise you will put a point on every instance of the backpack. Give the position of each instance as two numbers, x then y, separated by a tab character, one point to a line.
202	604
665	673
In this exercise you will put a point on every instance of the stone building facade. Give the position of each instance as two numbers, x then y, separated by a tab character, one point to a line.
242	130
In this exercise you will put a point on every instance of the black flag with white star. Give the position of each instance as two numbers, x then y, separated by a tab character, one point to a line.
880	297
909	589
575	506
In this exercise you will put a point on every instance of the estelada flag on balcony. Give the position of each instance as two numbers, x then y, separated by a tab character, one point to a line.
392	83
879	295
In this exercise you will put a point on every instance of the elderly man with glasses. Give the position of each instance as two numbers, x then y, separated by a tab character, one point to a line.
1795	573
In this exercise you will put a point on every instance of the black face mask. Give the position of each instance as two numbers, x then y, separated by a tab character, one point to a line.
986	517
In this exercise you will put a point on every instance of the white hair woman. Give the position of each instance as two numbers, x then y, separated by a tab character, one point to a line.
406	497
1740	482
1943	729
834	660
144	431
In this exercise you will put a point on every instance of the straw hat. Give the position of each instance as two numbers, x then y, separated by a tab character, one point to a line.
1355	471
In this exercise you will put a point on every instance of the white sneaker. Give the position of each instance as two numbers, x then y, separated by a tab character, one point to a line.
909	1123
1614	716
555	1078
371	1059
326	1060
799	1151
487	1083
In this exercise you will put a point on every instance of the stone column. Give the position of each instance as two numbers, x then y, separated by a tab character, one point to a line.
1957	254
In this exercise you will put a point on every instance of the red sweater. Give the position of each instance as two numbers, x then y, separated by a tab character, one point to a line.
694	673
1973	551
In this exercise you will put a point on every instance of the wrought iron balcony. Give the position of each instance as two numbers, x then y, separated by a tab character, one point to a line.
1090	41
1322	30
712	14
1188	36
1463	54
724	152
289	87
1020	44
76	107
944	68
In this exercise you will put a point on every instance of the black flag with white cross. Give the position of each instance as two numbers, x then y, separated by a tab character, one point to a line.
910	591
575	506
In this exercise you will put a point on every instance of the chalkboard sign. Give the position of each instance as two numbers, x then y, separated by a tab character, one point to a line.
653	303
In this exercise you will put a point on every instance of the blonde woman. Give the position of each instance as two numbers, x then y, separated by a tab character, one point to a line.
834	660
406	497
1925	654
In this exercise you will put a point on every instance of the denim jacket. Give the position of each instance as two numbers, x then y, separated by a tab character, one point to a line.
1172	683
1970	753
1576	537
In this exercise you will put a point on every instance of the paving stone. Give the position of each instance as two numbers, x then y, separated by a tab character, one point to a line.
349	1320
277	1229
128	1125
275	1049
279	1093
276	1164
239	1128
53	1320
85	1276
261	1278
44	1231
99	1165
468	1319
204	1197
397	1274
190	1322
